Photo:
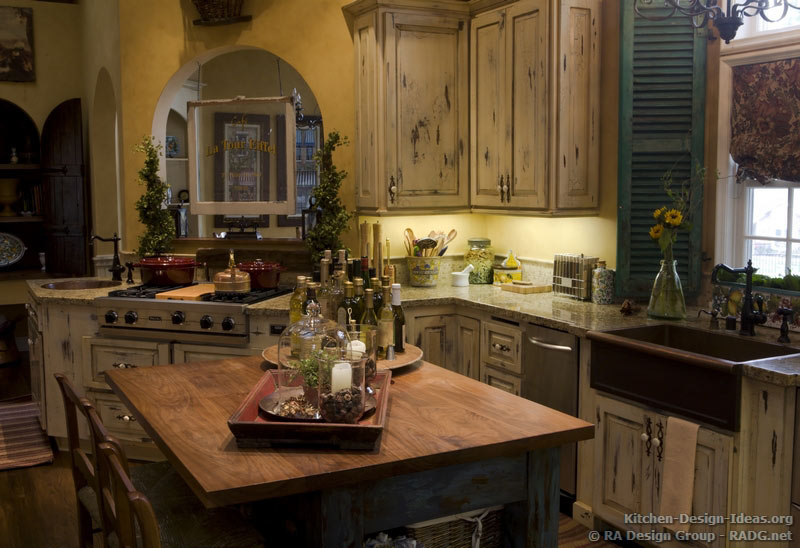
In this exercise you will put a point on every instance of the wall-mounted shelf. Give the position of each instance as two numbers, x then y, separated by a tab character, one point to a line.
22	219
20	167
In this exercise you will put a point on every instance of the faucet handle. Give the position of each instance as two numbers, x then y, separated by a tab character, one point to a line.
786	313
713	321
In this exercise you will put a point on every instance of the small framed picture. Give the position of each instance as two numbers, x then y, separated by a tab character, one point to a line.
171	148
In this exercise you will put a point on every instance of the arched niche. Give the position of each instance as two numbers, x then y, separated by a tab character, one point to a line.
225	73
106	203
17	131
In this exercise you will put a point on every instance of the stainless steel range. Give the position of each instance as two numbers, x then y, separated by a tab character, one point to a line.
135	312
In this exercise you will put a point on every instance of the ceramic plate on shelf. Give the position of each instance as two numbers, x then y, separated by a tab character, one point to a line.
11	249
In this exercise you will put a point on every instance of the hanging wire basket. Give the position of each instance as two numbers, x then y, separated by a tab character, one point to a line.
218	10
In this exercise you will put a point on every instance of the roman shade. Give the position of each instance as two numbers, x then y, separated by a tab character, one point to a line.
765	121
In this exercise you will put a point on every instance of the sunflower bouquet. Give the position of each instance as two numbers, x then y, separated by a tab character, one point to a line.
678	214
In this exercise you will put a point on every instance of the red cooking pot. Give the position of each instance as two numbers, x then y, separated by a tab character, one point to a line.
263	275
167	270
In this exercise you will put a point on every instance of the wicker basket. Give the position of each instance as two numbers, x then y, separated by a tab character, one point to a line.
214	10
457	531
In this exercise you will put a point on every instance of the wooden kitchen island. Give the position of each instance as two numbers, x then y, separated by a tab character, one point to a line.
450	445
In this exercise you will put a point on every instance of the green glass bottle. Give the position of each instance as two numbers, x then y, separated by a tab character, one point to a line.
369	317
359	304
324	291
344	313
399	320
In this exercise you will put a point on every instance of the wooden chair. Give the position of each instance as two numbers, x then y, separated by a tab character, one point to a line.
84	467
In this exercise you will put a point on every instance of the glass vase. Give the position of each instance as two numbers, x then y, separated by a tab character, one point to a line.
666	300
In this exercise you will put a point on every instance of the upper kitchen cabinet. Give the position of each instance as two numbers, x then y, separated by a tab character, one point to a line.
412	110
535	93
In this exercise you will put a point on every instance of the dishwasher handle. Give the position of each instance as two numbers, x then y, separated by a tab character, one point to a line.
557	347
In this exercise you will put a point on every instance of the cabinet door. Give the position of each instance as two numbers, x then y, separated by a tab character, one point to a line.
501	346
427	87
102	354
366	116
487	131
620	462
37	366
467	346
577	158
430	334
117	418
525	92
187	353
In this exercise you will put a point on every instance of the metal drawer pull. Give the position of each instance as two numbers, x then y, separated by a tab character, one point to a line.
501	347
123	365
126	418
548	346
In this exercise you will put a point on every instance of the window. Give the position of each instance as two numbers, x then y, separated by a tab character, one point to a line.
757	26
772	228
308	143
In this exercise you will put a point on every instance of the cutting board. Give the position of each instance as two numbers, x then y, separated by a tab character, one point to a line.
190	293
526	288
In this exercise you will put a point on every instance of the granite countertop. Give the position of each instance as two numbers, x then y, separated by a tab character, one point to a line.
546	309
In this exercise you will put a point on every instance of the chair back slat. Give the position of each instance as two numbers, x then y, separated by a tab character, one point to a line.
131	509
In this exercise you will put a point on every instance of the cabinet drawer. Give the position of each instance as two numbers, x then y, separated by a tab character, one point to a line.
117	419
102	354
501	379
500	346
187	353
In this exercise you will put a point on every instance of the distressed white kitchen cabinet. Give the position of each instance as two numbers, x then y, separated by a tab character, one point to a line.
534	98
412	105
447	338
629	447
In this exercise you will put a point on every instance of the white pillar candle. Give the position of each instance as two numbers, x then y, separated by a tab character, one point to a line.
355	349
341	376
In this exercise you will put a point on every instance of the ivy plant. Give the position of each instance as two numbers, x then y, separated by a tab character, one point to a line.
159	224
334	218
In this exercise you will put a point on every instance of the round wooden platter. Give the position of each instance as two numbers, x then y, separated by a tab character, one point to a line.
412	355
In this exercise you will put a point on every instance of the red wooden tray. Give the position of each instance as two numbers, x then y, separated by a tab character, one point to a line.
252	429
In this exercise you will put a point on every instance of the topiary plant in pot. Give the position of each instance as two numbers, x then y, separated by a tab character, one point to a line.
159	224
334	217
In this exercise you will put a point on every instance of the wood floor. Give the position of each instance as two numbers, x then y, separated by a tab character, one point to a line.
37	506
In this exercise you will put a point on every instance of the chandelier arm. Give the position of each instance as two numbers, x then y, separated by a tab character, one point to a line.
693	9
763	13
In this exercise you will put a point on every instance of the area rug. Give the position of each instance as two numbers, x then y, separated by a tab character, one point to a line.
22	440
572	534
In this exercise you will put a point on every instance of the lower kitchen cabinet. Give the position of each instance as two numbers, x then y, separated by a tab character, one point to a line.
101	354
501	379
186	353
629	447
116	417
450	340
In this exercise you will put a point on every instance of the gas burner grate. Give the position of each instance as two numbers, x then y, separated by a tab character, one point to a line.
254	296
144	291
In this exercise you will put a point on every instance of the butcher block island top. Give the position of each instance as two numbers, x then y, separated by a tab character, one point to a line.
435	418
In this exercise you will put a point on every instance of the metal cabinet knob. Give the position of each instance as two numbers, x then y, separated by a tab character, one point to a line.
126	418
501	347
645	437
656	441
123	365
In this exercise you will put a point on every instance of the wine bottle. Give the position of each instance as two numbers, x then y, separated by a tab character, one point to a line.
399	320
323	294
296	311
369	317
359	302
311	296
375	284
385	324
344	313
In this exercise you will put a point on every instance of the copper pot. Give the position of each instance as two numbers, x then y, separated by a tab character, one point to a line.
263	275
167	270
232	280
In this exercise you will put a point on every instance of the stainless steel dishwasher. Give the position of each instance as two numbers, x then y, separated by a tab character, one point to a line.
550	377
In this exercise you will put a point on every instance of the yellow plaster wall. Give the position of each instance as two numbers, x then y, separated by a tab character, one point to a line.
157	38
57	53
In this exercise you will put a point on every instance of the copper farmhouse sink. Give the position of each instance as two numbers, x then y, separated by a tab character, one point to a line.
80	284
691	372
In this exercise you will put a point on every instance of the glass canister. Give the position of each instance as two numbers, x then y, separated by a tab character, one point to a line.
481	256
342	380
602	284
305	348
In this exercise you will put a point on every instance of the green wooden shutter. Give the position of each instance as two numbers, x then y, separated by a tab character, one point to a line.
662	103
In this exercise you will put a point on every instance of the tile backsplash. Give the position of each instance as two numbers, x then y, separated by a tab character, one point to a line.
534	270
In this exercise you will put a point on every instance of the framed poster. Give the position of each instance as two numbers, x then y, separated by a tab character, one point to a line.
16	44
240	158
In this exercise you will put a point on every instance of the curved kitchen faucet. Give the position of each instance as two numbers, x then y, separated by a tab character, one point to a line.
116	268
749	315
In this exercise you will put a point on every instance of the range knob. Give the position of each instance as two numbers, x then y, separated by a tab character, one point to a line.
178	317
228	323
206	322
111	316
131	316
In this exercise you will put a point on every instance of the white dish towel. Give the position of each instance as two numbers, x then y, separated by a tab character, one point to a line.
680	447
